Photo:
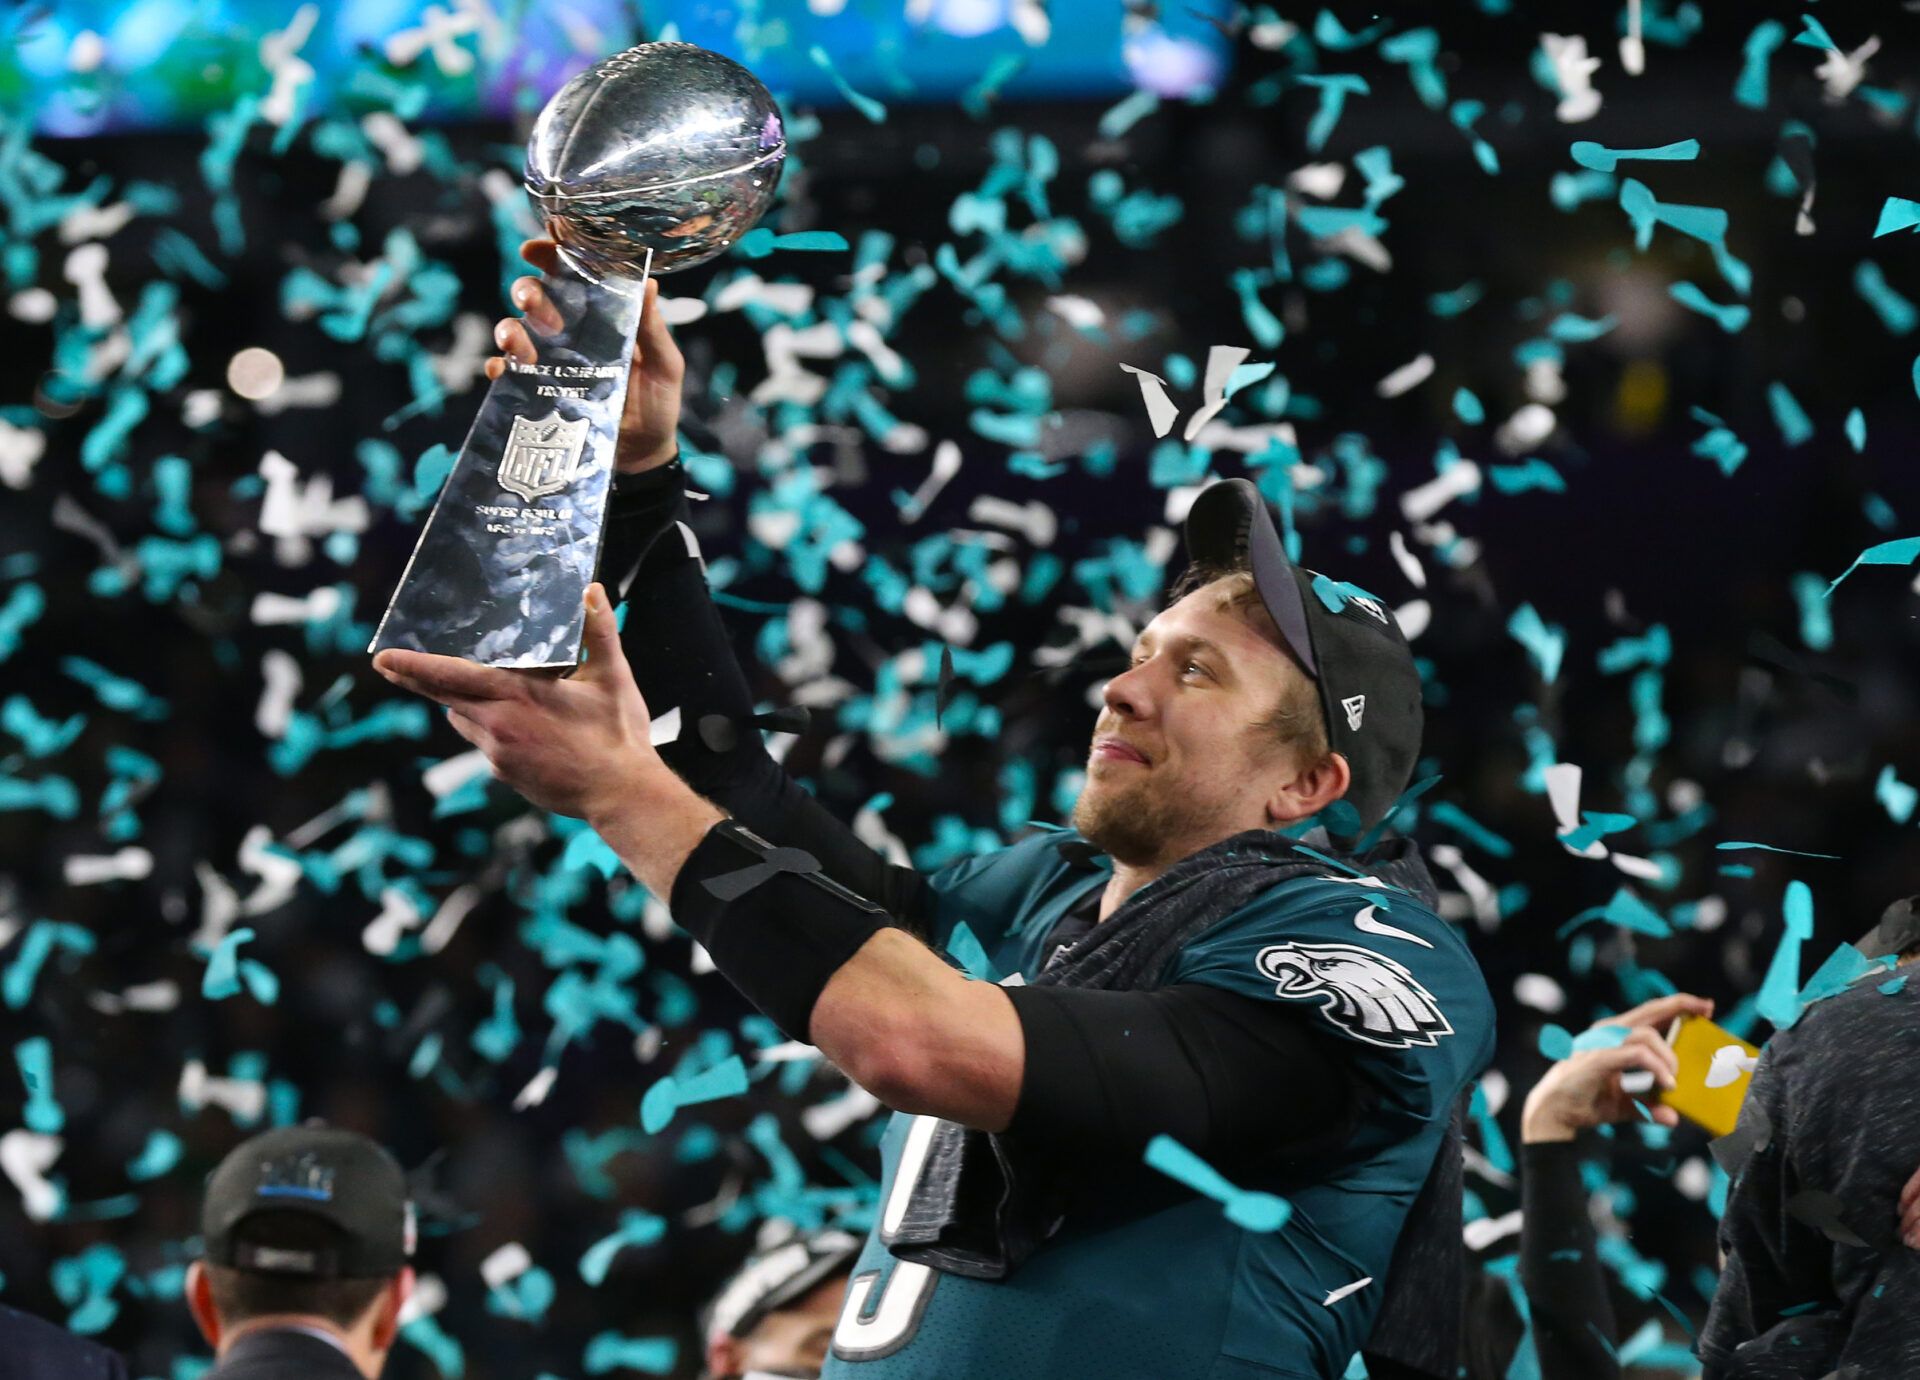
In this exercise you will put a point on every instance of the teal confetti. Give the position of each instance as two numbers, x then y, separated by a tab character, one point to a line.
1601	159
1719	444
1897	213
1779	1001
1770	848
1467	407
1120	118
664	1098
1889	988
1253	1211
43	939
1334	89
1813	34
1465	114
1447	813
1896	797
1856	430
1896	313
1556	1042
1795	426
1545	643
1901	552
1596	825
1446	304
1575	329
43	1112
157	1157
1730	318
609	1351
760	242
635	1229
1816	616
875	112
1750	89
1419	49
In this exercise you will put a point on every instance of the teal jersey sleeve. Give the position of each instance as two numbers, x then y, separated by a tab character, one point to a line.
996	894
1382	973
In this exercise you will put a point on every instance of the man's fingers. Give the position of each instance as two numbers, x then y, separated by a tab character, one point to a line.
445	678
531	297
1662	1010
654	346
602	635
474	732
495	366
542	253
1911	1192
510	334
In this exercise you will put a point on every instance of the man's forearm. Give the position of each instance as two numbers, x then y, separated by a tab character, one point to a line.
653	824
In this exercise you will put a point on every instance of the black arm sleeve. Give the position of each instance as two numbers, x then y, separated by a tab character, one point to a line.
682	658
1238	1081
1560	1269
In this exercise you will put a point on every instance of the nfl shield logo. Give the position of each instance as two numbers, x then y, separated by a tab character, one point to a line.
542	456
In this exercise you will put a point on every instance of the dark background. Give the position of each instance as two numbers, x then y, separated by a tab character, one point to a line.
1645	533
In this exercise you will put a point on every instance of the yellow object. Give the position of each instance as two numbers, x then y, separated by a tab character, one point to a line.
1709	1055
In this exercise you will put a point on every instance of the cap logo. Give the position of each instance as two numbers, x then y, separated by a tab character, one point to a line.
297	1176
1355	705
1370	605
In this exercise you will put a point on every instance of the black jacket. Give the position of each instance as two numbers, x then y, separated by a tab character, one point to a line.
284	1355
34	1350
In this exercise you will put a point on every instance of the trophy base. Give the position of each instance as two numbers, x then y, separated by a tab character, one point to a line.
502	567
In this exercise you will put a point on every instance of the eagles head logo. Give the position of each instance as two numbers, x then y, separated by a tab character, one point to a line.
1369	996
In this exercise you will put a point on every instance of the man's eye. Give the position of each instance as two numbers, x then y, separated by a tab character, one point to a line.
1196	666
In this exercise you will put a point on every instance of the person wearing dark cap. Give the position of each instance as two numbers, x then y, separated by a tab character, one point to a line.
1178	964
774	1318
307	1232
1821	1232
31	1349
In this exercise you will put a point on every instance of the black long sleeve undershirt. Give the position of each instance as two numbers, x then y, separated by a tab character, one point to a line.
1573	1324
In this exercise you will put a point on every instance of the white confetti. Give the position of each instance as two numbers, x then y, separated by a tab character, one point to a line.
1730	1064
1573	70
130	864
1161	410
505	1264
1421	502
1407	377
25	1158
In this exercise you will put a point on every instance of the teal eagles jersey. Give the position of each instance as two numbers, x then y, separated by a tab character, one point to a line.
1180	1293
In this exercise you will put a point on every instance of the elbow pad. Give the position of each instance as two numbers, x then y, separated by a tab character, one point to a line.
775	925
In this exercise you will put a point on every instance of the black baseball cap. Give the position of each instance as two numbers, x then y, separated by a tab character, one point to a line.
777	1277
1346	642
1898	931
313	1171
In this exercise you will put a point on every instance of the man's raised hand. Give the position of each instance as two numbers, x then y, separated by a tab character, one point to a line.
650	419
577	746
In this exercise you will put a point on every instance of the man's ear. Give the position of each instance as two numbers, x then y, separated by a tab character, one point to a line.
1311	791
388	1308
726	1356
200	1303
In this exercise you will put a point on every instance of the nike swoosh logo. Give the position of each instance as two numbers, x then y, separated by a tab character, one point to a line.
1367	924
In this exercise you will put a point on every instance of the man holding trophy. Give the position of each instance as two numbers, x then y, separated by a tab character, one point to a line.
1303	1023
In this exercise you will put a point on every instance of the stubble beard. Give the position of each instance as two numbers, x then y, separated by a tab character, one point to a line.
1136	823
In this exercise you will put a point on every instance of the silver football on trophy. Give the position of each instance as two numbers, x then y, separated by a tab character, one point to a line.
665	147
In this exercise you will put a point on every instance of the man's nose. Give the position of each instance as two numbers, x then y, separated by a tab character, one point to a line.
1127	694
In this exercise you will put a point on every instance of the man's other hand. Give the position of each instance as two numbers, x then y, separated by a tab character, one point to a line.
1584	1090
577	746
650	418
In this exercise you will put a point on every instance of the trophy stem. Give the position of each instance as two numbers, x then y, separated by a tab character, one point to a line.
503	563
